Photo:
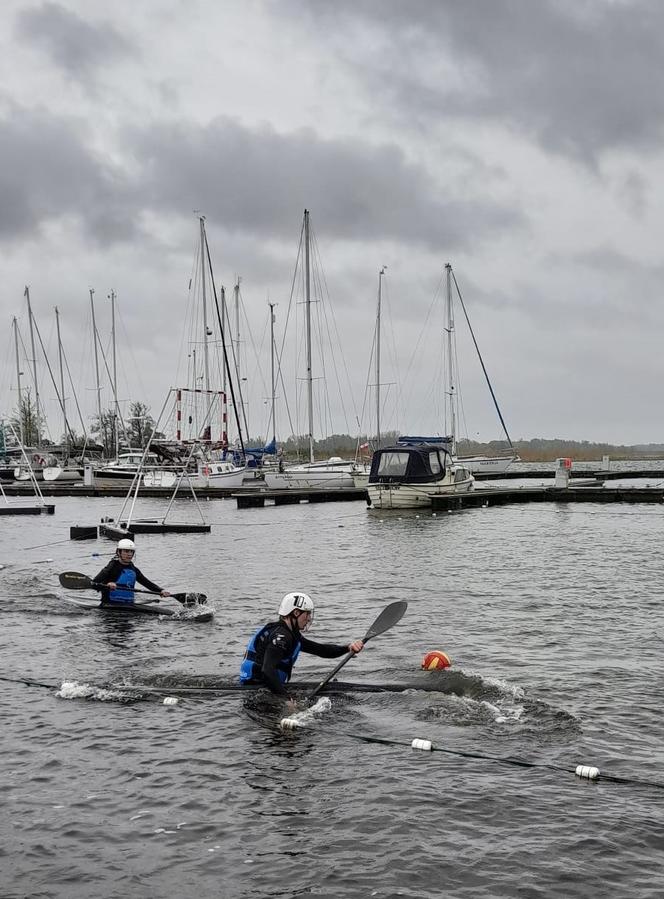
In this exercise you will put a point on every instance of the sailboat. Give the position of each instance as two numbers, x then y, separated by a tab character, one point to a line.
475	463
334	473
409	473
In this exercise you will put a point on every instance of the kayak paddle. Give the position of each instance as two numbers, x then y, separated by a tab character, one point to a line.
74	580
390	616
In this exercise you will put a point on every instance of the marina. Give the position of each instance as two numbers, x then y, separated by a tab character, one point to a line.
331	478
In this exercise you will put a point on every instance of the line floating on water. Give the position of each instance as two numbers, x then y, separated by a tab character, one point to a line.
587	772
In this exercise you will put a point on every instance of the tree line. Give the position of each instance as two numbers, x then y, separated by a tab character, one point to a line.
134	432
106	433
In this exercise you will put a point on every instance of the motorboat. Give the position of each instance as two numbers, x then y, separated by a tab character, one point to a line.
406	477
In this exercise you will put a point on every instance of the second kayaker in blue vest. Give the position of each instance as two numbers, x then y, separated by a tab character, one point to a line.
274	648
118	579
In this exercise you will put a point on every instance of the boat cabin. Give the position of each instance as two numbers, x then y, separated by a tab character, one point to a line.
401	464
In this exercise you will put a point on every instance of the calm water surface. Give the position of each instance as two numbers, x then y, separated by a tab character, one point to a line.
552	615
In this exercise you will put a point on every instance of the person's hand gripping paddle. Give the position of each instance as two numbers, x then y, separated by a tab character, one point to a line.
74	580
390	616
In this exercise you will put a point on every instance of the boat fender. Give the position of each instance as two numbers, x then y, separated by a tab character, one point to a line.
589	772
425	745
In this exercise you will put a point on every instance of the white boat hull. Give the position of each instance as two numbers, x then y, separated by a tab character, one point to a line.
487	464
213	474
312	477
66	474
414	496
25	474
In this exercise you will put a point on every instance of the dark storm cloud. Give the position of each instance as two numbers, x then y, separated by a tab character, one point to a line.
47	173
74	45
260	180
579	76
252	181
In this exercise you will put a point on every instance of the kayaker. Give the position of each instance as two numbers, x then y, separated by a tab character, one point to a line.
274	648
119	577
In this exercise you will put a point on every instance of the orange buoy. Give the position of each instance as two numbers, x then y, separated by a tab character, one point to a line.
436	661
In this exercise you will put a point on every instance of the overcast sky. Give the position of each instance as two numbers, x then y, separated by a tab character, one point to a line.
520	141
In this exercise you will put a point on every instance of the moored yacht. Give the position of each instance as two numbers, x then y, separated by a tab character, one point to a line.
333	474
406	477
122	471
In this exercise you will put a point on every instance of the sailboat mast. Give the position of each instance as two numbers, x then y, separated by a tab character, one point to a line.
206	333
307	297
224	385
34	363
95	338
274	423
18	382
115	377
62	375
378	312
450	364
236	303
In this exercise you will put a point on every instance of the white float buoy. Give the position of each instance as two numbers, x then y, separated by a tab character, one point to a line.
171	700
589	772
422	744
289	723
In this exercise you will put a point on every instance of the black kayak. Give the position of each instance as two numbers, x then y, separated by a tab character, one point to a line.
142	608
304	687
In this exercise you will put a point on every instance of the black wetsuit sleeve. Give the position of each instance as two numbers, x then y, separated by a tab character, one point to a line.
148	584
106	575
280	647
324	650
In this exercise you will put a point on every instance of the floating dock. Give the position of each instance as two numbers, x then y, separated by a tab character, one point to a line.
501	496
256	498
118	530
43	509
589	492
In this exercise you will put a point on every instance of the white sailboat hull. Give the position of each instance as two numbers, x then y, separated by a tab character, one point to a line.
316	475
222	475
21	473
487	464
62	474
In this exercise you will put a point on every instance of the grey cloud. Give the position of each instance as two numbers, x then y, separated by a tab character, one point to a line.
579	77
250	181
76	46
261	180
46	172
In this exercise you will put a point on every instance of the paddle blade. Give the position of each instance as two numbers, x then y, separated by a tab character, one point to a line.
74	580
390	616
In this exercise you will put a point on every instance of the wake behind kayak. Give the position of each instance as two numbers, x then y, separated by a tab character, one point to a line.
187	613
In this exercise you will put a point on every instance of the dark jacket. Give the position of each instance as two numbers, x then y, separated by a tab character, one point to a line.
272	652
111	572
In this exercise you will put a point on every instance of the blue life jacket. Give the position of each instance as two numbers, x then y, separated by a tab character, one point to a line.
252	665
124	591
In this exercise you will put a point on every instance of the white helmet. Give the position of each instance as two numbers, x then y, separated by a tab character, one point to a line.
125	543
293	601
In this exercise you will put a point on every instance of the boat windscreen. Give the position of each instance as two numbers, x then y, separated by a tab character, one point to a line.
393	464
